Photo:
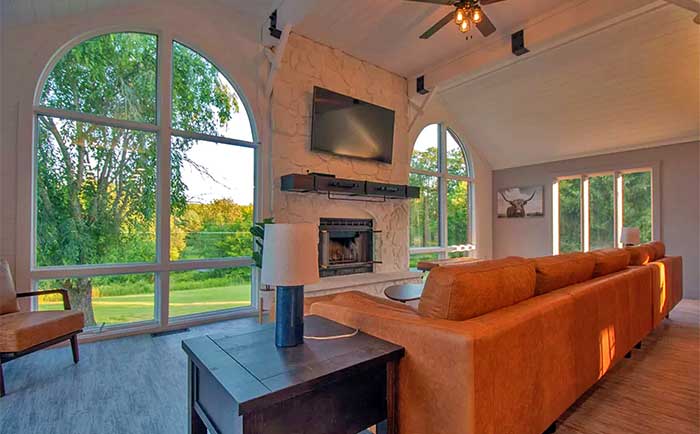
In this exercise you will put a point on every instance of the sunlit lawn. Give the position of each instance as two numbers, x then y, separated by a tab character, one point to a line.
140	307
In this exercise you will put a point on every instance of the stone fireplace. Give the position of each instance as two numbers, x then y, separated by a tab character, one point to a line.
346	246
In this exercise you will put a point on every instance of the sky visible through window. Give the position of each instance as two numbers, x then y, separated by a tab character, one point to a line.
231	167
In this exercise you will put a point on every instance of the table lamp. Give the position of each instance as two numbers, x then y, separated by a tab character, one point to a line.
290	260
630	236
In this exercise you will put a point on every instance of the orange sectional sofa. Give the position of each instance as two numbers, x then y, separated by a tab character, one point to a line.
506	346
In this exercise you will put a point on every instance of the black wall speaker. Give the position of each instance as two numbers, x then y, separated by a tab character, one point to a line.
420	85
518	43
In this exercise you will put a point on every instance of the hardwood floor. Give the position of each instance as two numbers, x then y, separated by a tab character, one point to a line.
656	391
137	385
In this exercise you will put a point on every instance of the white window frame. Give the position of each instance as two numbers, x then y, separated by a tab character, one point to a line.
163	265
618	206
443	176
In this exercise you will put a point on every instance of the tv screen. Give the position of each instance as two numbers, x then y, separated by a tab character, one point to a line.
346	126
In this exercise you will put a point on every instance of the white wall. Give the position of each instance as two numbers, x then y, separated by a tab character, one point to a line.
679	191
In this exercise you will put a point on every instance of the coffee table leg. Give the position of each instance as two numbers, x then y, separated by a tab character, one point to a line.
196	425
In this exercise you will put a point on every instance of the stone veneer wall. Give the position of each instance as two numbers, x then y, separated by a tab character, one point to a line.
307	64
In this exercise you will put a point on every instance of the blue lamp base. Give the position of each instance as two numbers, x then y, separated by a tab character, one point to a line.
289	316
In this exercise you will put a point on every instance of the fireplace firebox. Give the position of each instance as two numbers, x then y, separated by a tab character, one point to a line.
346	246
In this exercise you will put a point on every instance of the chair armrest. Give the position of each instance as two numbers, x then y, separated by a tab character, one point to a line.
63	292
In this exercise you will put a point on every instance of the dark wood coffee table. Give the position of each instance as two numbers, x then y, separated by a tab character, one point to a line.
404	293
245	384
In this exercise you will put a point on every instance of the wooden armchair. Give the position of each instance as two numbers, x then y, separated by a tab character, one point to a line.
22	333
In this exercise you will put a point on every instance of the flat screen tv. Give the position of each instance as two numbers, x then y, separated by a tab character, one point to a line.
346	126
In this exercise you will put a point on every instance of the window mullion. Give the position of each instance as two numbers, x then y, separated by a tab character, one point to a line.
585	213
163	176
442	192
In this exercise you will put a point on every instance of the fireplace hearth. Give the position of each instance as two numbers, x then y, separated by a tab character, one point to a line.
345	247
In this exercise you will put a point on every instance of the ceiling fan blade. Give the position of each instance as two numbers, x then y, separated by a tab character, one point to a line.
490	2
486	27
435	2
439	25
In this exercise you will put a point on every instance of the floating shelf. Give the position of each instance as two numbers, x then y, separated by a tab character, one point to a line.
329	184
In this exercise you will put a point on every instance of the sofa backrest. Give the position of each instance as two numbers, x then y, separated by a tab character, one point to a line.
641	255
466	291
554	272
659	249
608	261
8	297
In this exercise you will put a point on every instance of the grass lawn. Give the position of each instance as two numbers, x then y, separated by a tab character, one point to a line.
140	307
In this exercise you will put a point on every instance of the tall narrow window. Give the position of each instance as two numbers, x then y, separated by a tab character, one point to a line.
602	211
570	215
638	203
100	230
440	221
593	209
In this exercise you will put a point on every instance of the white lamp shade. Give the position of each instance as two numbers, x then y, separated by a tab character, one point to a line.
630	236
290	254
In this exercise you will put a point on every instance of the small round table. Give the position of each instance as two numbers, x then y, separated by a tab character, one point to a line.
404	293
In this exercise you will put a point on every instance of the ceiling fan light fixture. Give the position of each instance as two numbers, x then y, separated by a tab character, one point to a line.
460	16
477	16
464	27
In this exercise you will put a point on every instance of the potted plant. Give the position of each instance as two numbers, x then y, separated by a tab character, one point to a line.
266	292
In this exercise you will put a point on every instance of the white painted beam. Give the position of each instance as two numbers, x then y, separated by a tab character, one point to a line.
691	5
572	21
420	109
277	59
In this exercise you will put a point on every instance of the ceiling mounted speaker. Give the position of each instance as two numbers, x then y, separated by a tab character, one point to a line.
420	85
518	43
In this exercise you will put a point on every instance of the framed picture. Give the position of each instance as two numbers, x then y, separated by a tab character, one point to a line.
521	202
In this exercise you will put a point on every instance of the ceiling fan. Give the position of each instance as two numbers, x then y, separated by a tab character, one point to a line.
466	13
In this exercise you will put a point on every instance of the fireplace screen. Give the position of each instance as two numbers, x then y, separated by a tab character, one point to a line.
346	246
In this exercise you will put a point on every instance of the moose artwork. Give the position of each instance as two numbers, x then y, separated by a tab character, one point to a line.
520	202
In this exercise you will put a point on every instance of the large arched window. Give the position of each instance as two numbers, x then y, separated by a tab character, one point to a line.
441	220
143	183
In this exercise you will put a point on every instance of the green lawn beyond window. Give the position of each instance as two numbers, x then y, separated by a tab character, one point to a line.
140	307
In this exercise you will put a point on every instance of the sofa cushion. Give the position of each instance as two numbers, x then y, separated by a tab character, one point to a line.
460	292
8	297
608	261
659	249
554	272
22	330
641	255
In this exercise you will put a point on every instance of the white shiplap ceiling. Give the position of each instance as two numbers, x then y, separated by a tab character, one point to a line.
386	32
632	85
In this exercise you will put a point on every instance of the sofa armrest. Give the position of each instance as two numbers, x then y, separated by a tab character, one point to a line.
435	375
63	292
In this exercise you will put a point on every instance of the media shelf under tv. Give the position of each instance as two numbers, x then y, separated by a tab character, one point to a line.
340	188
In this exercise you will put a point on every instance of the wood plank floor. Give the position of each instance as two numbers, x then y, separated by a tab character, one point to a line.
137	385
657	391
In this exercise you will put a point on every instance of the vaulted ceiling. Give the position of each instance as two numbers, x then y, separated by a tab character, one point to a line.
626	84
386	33
632	85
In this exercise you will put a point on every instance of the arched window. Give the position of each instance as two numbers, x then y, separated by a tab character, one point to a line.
142	205
441	220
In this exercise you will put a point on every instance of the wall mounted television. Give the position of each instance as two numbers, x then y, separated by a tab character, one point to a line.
346	126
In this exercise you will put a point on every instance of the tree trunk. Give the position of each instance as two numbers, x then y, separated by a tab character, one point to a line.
80	293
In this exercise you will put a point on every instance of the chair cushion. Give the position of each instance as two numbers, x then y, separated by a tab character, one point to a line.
659	249
641	255
8	297
608	261
554	272
22	330
460	292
